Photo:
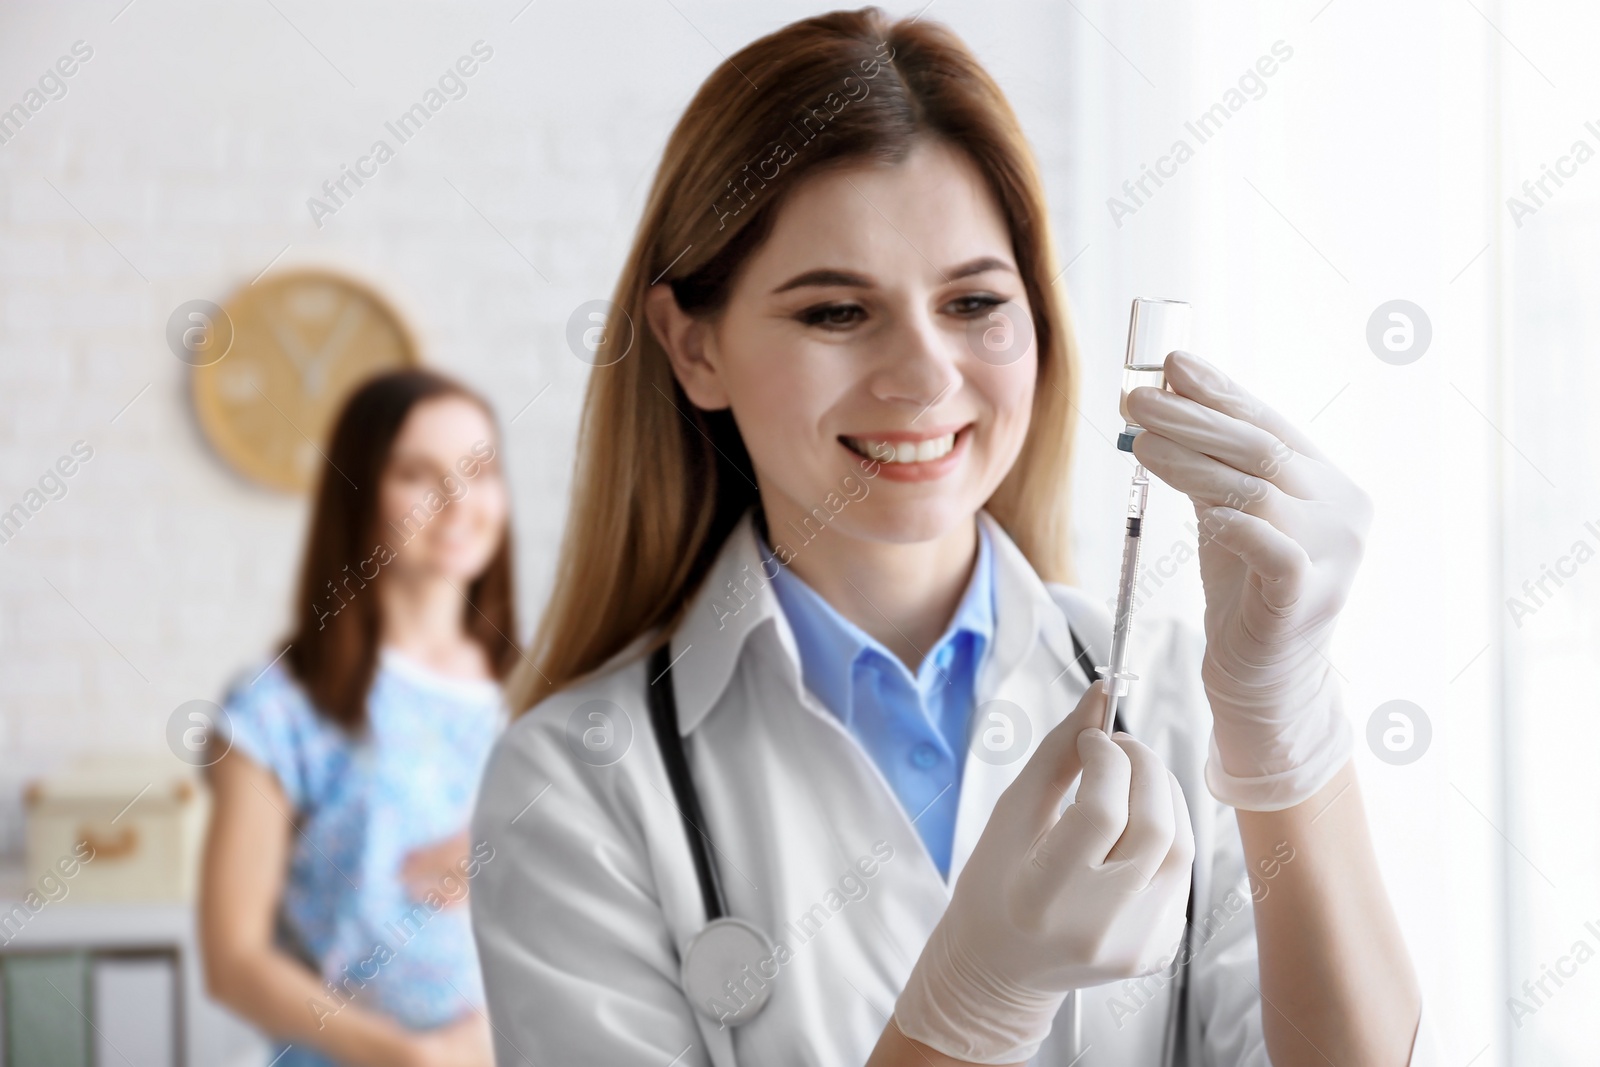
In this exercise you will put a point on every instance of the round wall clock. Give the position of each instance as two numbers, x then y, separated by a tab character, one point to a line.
302	341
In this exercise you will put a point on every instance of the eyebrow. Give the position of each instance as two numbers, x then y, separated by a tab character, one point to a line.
830	276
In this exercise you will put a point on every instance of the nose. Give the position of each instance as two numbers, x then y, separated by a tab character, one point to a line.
918	364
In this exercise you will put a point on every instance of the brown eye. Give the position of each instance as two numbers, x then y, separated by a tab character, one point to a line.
832	316
412	472
975	304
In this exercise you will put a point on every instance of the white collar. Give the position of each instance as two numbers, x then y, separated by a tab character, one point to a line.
736	600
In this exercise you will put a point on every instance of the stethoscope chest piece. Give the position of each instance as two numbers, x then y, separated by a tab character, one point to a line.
728	971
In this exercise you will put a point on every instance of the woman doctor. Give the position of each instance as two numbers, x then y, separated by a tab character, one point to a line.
807	641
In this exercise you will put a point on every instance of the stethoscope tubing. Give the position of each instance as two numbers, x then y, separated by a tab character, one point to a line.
664	720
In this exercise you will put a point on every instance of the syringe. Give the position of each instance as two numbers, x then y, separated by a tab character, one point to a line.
1155	328
1131	540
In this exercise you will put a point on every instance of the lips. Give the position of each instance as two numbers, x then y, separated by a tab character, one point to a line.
898	456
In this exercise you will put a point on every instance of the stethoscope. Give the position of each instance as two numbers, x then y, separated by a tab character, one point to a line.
722	972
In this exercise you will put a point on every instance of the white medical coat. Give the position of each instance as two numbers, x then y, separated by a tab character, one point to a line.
591	896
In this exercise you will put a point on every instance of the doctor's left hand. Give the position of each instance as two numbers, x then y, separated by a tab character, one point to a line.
1282	531
1053	900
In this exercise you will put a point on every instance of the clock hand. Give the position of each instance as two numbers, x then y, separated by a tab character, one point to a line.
310	366
349	322
292	347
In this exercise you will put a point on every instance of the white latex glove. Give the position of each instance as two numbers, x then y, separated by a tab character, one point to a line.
1048	904
1282	532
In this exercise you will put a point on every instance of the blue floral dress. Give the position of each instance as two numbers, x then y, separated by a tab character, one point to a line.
361	804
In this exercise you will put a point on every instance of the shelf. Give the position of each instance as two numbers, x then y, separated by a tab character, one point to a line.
211	1034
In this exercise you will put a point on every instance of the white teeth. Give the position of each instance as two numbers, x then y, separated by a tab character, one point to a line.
906	451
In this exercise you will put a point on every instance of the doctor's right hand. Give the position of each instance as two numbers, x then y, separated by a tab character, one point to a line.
1048	904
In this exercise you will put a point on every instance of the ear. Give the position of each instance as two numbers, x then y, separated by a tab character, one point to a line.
690	343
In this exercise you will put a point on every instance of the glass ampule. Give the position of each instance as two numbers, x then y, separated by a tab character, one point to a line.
1155	327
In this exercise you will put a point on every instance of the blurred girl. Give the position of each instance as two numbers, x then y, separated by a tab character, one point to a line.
337	864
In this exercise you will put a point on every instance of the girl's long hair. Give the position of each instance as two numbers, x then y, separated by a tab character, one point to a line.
659	484
333	649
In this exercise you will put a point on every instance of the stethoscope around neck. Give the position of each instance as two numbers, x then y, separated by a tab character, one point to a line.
725	965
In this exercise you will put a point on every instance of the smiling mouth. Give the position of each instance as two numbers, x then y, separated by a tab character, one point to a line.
924	450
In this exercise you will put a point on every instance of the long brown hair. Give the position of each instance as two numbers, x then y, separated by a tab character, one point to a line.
659	484
333	651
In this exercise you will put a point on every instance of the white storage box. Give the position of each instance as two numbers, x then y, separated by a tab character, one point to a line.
123	830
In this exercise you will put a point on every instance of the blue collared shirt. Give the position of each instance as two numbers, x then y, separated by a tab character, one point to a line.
914	728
